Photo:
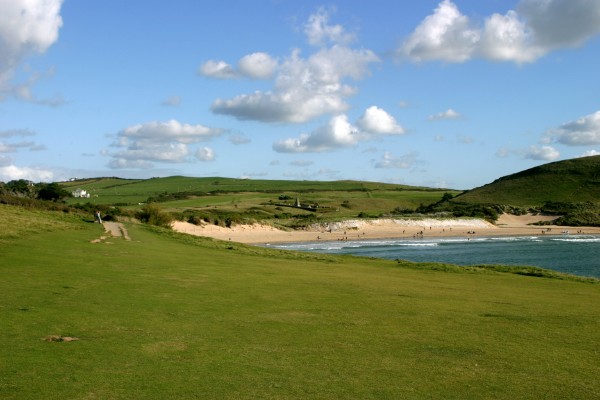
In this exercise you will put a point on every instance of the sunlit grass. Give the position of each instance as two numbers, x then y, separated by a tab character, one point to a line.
172	316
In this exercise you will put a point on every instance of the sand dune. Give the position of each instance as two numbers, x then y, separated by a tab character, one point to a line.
382	228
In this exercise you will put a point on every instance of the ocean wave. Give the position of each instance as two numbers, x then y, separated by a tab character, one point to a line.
577	240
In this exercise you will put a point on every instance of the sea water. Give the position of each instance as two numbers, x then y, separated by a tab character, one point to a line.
573	254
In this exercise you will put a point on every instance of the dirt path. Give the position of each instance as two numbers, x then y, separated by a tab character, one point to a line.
116	229
113	229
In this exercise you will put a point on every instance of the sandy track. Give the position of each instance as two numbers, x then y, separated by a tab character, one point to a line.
113	229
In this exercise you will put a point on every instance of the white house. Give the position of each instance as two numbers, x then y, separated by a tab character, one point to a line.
81	193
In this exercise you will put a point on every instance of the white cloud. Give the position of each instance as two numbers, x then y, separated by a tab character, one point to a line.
205	154
405	161
27	27
507	38
169	130
377	121
217	69
319	32
534	29
339	133
336	134
12	172
305	88
254	66
544	153
154	141
257	66
590	153
444	35
448	114
582	132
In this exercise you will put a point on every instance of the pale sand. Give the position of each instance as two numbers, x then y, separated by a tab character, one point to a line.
507	225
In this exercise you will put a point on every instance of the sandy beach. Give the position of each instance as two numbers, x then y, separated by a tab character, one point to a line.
507	225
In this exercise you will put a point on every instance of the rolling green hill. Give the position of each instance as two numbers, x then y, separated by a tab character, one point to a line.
570	181
219	200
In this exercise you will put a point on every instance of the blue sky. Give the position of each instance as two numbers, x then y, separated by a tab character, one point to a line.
435	93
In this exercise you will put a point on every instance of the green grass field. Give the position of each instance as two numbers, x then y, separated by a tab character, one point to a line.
169	316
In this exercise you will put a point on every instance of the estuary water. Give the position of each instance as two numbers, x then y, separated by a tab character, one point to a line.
573	254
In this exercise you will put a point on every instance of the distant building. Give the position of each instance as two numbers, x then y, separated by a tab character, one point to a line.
81	193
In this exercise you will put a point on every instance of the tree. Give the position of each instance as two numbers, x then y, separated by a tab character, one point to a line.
52	191
20	187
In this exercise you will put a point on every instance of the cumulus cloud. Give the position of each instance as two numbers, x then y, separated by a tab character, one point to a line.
340	133
304	88
444	35
378	121
582	132
150	142
523	35
336	134
217	69
205	154
590	153
319	32
448	114
257	66
543	153
27	27
254	66
12	172
406	161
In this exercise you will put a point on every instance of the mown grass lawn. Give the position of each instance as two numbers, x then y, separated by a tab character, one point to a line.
170	316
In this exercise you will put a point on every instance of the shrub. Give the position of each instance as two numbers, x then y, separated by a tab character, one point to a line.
153	215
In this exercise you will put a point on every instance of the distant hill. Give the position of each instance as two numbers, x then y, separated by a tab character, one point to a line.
570	181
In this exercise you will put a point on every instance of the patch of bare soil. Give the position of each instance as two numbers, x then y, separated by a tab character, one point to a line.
113	229
59	338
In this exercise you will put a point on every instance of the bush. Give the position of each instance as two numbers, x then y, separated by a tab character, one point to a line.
153	215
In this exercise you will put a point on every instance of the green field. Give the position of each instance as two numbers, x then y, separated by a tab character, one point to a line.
226	201
172	316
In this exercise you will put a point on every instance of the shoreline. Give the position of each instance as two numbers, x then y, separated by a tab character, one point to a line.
351	230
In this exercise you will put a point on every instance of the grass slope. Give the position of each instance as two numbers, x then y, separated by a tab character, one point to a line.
571	181
173	316
114	190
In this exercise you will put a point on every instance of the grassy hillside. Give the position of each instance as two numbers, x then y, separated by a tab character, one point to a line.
570	181
115	190
242	200
172	316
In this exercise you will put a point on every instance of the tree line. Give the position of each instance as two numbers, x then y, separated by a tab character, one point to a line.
30	190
